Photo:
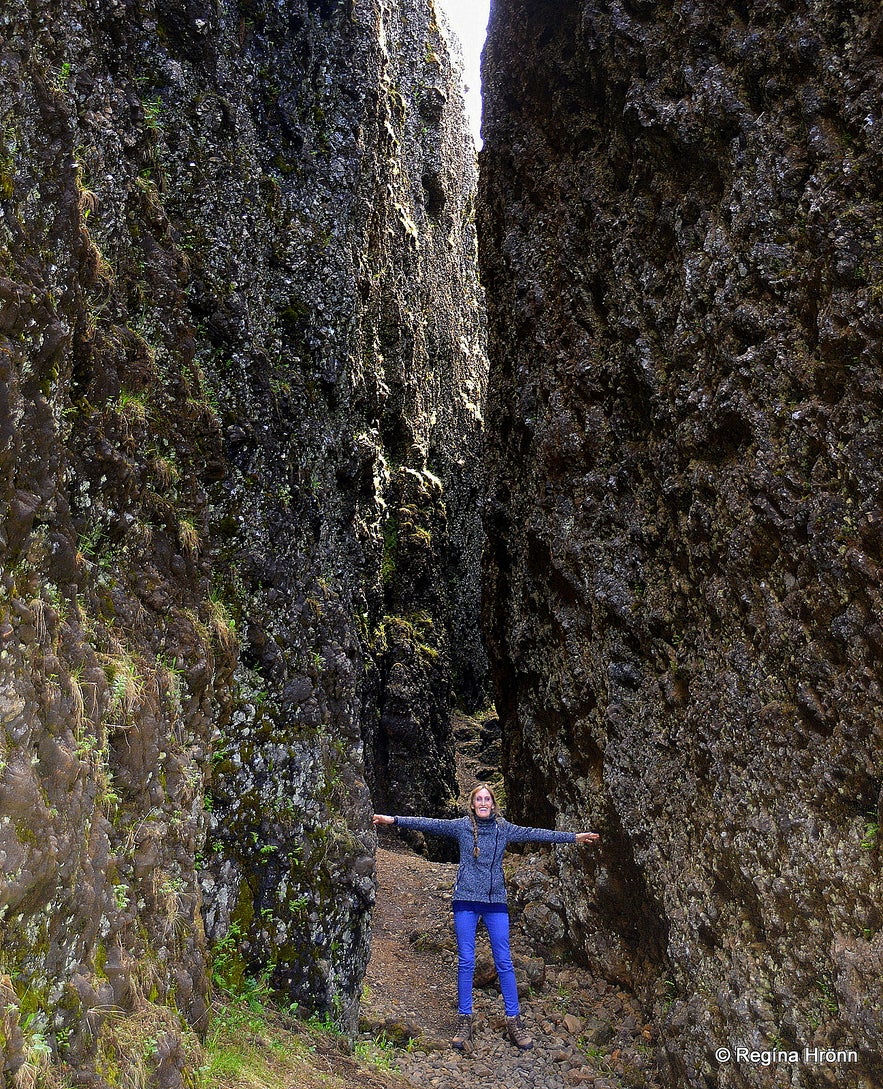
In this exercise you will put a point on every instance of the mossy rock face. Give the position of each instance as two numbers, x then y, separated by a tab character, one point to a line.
684	527
408	737
349	402
109	683
233	334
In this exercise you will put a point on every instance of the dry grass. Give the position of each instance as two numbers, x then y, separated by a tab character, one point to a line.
38	608
126	682
167	895
188	535
223	624
97	268
128	1046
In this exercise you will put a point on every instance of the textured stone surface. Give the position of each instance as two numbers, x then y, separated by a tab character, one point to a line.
680	230
241	360
333	271
113	673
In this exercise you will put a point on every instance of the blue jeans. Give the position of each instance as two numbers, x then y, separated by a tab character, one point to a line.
497	924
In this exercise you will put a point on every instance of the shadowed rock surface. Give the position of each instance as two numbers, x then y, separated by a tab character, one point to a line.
242	360
680	235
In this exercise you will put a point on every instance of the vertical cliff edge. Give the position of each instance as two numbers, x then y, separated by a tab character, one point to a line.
242	358
680	223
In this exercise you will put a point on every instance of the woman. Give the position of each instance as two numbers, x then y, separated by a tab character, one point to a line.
480	893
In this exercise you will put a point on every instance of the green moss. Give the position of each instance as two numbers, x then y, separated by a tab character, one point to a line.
295	315
100	960
25	835
8	147
390	546
417	629
283	165
398	103
228	968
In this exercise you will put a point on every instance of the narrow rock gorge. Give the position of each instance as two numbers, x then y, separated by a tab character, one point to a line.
680	232
250	523
242	352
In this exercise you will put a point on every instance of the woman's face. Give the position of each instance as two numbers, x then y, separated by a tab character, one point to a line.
483	803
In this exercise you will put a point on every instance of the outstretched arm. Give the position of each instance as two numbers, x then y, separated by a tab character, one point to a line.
518	833
422	824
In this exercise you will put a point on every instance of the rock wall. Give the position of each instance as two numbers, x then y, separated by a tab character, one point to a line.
242	359
680	217
344	336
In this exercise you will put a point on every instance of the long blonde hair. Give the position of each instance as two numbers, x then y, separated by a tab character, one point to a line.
473	792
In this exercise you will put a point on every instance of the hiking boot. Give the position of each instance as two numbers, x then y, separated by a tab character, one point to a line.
462	1039
518	1034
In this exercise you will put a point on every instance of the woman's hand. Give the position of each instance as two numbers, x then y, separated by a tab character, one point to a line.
583	837
379	818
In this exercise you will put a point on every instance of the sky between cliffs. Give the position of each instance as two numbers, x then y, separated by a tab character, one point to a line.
468	19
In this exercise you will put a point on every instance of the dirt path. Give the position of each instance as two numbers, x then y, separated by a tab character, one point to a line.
585	1033
408	983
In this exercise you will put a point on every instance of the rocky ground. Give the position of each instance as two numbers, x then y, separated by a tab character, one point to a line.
587	1032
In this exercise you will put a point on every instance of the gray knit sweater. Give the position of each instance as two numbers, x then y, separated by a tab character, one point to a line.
481	879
